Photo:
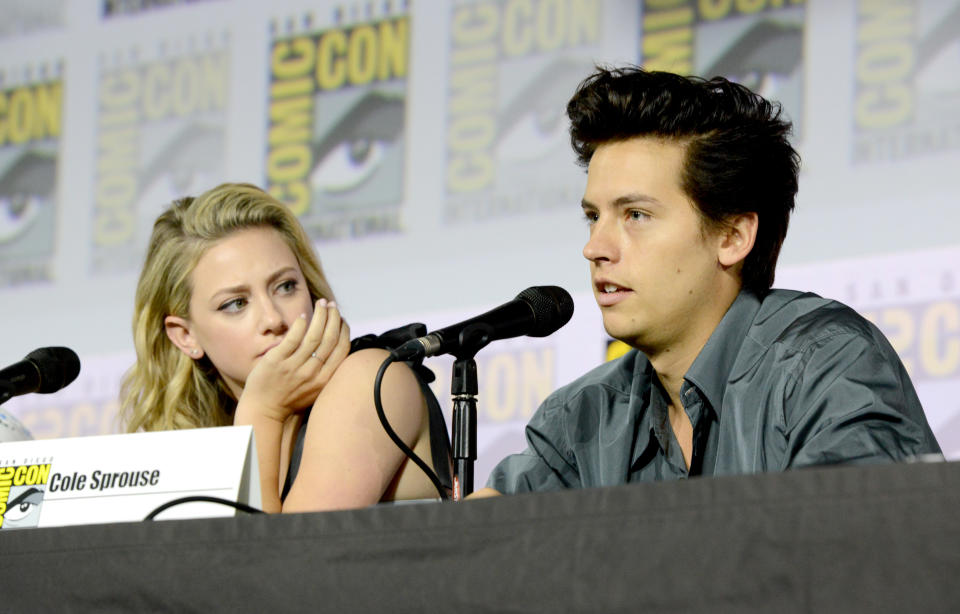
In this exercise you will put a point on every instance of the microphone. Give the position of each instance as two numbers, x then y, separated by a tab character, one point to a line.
45	370
536	312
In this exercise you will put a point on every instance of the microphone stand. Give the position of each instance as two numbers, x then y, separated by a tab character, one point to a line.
463	389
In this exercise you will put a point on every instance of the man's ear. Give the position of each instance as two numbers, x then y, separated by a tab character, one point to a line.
178	330
737	238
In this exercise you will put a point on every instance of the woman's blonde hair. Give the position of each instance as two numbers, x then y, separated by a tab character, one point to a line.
166	389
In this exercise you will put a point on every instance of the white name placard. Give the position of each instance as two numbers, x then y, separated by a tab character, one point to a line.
118	478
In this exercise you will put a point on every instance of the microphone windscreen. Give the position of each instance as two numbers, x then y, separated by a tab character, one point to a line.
552	308
58	366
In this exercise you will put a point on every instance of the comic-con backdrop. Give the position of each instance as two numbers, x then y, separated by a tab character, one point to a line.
424	147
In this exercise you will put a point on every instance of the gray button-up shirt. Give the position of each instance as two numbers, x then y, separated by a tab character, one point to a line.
791	381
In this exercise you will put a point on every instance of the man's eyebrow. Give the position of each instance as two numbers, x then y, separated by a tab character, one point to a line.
631	199
626	199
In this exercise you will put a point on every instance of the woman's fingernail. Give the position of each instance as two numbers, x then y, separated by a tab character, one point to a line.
322	302
332	304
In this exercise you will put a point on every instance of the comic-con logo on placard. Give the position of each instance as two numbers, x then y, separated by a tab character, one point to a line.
758	43
30	126
907	78
160	136
513	67
22	488
335	141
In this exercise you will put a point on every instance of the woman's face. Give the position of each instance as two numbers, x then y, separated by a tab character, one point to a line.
246	292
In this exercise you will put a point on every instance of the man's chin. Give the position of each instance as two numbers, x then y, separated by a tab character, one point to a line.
622	331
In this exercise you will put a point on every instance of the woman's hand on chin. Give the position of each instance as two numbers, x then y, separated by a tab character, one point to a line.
290	376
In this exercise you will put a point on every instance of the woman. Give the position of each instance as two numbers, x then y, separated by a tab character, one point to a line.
236	324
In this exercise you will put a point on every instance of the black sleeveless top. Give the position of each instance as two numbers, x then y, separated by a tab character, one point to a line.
439	438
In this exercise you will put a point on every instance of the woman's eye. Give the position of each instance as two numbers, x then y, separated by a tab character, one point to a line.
288	286
233	305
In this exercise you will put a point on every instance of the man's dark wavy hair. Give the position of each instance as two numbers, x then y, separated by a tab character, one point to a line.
738	154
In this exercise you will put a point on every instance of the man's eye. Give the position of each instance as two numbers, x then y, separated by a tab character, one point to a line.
636	214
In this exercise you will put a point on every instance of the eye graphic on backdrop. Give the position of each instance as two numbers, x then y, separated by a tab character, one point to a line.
534	122
17	213
763	58
188	163
195	152
353	151
23	507
937	50
25	188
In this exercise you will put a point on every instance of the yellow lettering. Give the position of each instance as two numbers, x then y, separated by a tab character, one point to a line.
883	107
474	24
394	46
156	91
471	132
331	67
291	87
30	113
669	50
43	474
292	59
49	101
472	100
290	121
362	58
885	60
551	24
469	173
289	162
883	63
584	22
212	85
289	156
939	339
187	93
883	20
295	195
185	86
537	369
500	391
517	33
714	9
366	53
751	6
899	327
117	155
473	89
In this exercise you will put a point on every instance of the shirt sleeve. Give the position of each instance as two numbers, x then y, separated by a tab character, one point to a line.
852	402
547	463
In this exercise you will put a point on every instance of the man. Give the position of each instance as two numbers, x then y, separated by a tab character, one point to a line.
690	184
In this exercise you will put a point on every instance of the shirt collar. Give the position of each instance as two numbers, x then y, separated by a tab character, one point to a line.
711	368
641	398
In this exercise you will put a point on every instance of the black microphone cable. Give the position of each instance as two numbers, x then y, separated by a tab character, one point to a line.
378	403
243	507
